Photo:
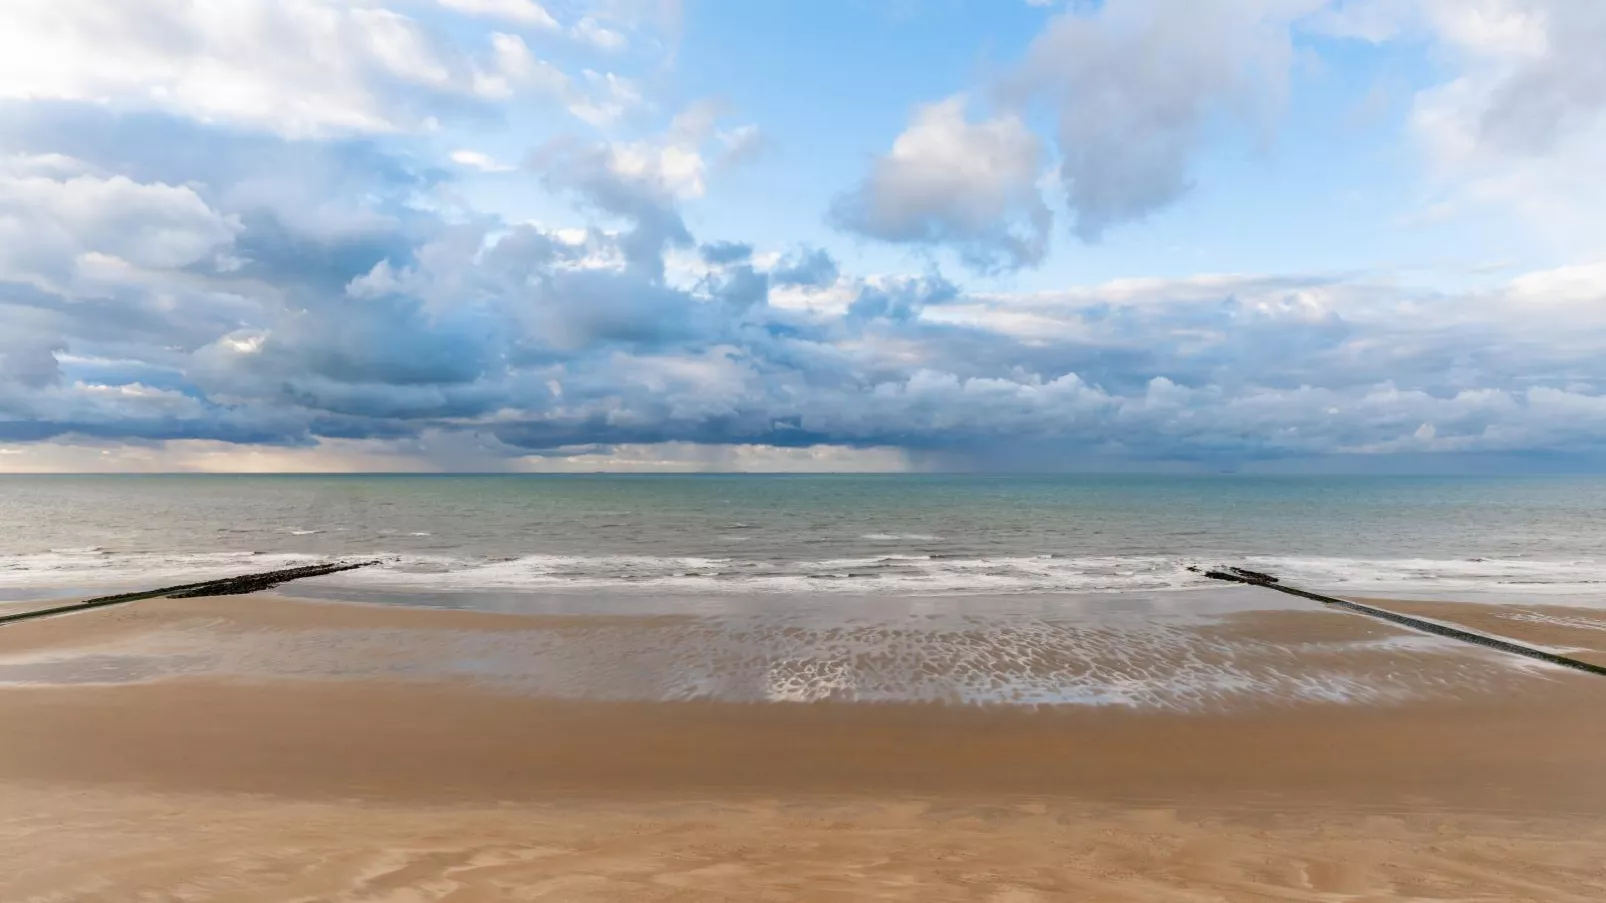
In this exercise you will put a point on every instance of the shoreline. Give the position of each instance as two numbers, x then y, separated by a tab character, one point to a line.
1237	658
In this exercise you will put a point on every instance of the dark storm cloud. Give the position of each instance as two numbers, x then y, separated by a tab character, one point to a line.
270	250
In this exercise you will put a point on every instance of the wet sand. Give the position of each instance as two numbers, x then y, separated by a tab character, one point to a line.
238	783
444	743
1575	631
974	651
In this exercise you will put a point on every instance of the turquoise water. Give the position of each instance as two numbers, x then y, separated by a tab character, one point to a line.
812	534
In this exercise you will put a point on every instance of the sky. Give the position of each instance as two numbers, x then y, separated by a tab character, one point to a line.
838	235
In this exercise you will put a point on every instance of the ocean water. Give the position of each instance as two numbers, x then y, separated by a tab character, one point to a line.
851	536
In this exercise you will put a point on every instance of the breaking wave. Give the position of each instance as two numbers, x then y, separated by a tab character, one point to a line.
882	573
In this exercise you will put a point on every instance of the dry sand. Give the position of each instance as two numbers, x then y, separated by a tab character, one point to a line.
260	788
93	846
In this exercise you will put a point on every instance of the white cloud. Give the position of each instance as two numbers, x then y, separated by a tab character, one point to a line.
296	67
1501	28
476	160
1580	284
1527	65
678	168
1137	81
949	180
526	12
52	228
627	178
1518	125
590	31
742	144
603	98
512	67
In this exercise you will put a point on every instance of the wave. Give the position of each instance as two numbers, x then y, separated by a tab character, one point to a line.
878	574
1575	576
98	567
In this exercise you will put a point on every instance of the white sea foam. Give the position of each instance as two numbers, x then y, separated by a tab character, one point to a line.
95	567
884	573
1519	576
1556	620
1575	580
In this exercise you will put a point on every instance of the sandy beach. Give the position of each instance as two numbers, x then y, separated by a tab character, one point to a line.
268	777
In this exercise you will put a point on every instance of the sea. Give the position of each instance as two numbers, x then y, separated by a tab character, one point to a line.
467	538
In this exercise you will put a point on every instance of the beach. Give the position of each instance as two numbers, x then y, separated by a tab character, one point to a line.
338	761
800	688
1010	451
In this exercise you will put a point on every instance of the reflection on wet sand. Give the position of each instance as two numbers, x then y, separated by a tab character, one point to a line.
1198	661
